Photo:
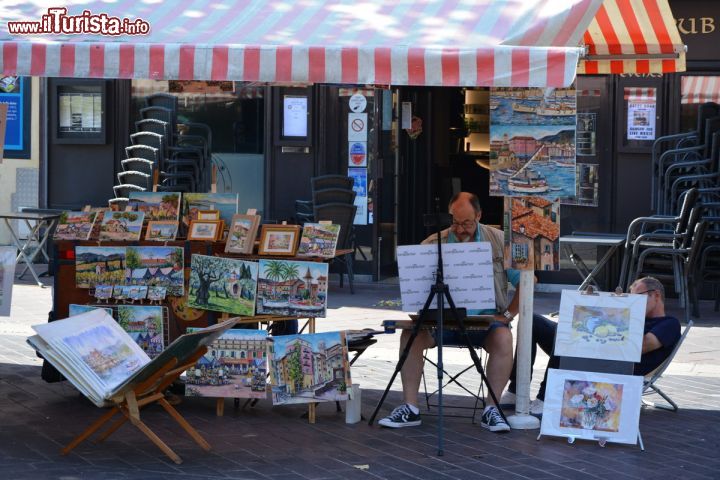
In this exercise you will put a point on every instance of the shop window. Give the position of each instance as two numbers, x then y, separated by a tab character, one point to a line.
694	91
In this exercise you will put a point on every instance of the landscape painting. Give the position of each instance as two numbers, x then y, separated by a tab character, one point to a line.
121	226
145	325
223	285
532	142
103	292
308	368
99	266
288	287
604	326
161	230
592	406
318	240
156	205
242	234
75	226
235	366
225	203
157	266
532	233
156	293
75	309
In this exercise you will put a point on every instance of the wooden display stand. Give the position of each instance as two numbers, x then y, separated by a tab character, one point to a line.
146	393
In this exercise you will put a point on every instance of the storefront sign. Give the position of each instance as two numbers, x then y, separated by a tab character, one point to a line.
641	120
357	127
357	154
698	22
358	103
361	191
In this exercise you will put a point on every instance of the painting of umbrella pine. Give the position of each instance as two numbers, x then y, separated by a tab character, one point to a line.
308	368
223	285
287	287
235	366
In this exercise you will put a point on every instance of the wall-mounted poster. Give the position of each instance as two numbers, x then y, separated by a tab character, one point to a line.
235	366
585	136
604	326
532	233
223	285
640	115
15	96
360	186
592	406
308	368
287	287
468	273
532	142
7	278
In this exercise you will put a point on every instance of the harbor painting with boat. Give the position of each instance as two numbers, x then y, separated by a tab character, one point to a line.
532	142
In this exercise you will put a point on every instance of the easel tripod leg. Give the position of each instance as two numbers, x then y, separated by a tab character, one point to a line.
184	424
89	431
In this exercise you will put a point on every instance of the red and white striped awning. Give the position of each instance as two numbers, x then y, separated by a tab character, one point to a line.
700	89
531	43
640	94
633	36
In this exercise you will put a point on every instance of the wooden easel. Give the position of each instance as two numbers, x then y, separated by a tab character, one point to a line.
146	393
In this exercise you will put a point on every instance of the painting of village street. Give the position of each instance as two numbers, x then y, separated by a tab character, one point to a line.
156	205
99	266
318	240
532	233
144	324
532	142
308	368
223	285
225	203
121	226
156	266
292	288
235	366
74	226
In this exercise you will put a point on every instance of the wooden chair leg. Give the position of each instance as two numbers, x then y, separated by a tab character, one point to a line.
89	431
184	424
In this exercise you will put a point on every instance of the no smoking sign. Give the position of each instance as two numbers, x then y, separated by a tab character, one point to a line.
357	127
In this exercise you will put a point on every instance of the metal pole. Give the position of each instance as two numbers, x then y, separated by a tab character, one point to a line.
522	420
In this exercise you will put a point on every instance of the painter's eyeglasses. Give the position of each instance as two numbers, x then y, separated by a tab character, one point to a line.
466	225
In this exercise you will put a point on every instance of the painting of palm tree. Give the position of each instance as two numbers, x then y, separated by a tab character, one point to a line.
287	287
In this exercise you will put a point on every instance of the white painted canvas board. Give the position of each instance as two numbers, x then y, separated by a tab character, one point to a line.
603	326
592	406
8	256
468	272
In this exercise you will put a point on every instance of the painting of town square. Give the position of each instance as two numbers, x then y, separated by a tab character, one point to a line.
532	239
292	288
308	368
158	266
242	234
156	205
144	324
121	226
532	142
75	309
74	226
99	266
223	285
235	366
225	203
318	240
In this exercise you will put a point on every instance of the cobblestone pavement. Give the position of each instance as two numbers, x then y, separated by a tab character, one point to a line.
265	442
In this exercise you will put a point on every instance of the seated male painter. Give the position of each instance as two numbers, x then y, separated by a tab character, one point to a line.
496	340
661	334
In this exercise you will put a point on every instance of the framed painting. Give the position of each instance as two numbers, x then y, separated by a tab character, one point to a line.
161	230
208	215
592	406
157	206
208	230
235	366
287	287
75	226
121	226
279	240
242	234
603	326
318	240
223	285
308	368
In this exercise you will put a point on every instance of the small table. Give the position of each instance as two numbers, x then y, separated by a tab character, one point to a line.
27	250
611	240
